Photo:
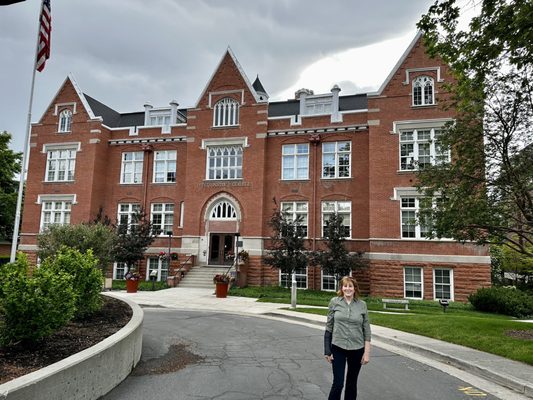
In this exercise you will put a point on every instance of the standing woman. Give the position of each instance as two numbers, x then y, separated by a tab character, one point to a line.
347	338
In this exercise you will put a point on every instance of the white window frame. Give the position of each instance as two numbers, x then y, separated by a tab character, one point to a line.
55	212
119	266
301	279
165	162
424	145
318	105
127	210
294	209
223	210
226	113
167	217
56	165
131	171
337	153
421	231
162	268
294	160
225	166
65	121
450	285
413	282
325	277
420	95
336	206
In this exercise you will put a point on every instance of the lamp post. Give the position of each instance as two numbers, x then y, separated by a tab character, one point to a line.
169	233
236	261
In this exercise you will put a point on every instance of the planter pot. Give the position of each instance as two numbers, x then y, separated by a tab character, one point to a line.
221	289
132	286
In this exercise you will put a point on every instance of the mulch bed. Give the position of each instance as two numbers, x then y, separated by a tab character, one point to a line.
17	360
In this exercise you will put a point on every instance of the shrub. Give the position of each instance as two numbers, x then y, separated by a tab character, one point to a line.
502	300
34	306
87	278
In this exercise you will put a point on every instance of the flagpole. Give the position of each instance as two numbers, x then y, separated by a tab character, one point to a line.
26	152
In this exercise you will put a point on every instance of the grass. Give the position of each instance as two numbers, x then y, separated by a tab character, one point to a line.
460	324
120	284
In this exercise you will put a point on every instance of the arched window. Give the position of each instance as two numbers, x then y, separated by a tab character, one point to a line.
65	120
223	210
226	113
423	91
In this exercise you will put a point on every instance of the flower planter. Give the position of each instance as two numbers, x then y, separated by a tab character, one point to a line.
222	289
132	286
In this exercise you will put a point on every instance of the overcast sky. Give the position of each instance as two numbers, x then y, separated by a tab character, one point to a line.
127	52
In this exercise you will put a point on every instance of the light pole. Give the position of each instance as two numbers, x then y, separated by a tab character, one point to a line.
169	233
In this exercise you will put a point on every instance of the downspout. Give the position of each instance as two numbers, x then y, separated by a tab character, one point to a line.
148	149
314	140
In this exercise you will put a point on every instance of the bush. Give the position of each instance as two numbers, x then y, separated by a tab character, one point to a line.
35	306
502	300
87	278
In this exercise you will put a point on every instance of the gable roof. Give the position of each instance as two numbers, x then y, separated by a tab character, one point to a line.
241	71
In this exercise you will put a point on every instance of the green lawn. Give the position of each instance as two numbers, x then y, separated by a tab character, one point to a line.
460	324
120	284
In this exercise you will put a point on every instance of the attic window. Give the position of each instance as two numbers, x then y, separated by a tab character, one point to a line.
318	105
226	113
160	118
65	120
423	91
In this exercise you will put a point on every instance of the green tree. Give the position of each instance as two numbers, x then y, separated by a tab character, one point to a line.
486	191
287	247
9	166
133	240
101	239
336	260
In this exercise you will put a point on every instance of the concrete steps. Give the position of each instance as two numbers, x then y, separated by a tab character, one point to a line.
202	276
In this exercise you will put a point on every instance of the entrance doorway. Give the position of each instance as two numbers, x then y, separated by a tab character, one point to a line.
221	248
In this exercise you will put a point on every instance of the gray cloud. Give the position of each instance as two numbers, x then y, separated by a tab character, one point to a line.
126	52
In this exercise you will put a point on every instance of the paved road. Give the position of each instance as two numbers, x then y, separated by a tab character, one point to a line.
216	356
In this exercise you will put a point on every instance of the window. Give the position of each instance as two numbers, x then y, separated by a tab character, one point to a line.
415	225
164	166
65	121
420	148
132	167
224	162
318	105
329	283
336	159
226	113
163	217
297	210
443	283
127	213
60	165
119	270
55	212
295	161
413	287
223	210
423	93
343	208
285	280
158	265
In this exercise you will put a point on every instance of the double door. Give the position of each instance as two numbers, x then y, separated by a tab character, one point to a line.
221	248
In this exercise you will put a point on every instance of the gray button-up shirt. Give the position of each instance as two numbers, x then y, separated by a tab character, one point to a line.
348	323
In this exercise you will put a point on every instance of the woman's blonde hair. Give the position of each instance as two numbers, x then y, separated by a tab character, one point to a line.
344	281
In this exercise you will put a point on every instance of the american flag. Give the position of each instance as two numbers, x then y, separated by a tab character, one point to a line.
45	34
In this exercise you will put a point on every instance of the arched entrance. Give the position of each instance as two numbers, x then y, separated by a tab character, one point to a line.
222	223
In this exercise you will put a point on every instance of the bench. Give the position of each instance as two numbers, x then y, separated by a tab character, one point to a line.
403	302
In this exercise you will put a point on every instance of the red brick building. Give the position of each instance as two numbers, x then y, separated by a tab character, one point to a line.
212	171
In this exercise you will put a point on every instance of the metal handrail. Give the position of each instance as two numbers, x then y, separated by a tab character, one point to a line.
178	271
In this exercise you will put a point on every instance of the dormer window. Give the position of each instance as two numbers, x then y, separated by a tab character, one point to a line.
423	91
226	113
318	105
65	121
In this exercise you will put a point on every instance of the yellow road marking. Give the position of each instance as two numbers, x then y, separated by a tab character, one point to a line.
470	391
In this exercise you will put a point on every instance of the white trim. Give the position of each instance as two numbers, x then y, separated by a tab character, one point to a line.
429	258
400	192
243	141
452	294
61	105
421	281
419	123
61	146
56	197
224	92
220	197
424	69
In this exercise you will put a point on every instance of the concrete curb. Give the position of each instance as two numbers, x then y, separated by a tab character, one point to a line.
89	374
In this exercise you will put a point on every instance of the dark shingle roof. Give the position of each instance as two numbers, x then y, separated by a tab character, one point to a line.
292	107
258	86
111	117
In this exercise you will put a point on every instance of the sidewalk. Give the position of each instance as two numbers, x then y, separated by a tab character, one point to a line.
511	374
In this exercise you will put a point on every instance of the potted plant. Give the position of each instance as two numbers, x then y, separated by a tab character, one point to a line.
243	257
132	281
222	282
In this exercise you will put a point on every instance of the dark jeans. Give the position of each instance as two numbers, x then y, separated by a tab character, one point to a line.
342	357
